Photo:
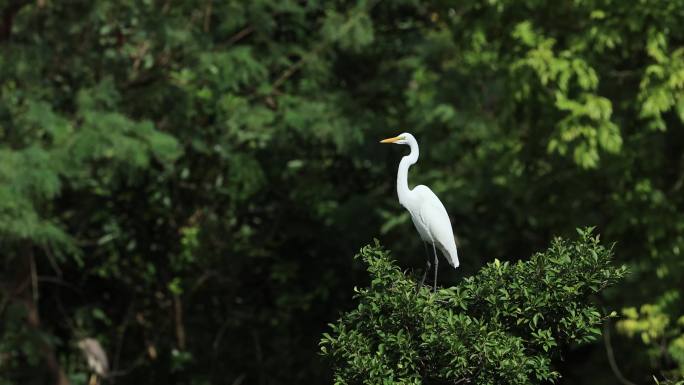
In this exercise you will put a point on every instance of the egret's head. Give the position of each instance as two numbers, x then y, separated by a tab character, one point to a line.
404	138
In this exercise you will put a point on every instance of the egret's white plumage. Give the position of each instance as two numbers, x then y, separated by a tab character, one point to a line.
427	211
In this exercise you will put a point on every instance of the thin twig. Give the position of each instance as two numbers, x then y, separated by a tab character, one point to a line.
139	54
140	360
34	278
296	66
207	16
202	280
240	35
53	262
122	334
178	318
611	356
21	286
61	282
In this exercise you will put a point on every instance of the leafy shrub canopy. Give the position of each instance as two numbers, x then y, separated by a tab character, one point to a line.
501	326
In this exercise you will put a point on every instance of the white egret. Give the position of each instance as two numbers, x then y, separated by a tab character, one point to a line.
427	211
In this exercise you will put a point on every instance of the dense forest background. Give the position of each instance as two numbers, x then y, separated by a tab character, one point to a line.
187	182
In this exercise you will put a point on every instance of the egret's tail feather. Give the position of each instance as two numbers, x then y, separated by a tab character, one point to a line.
453	261
451	257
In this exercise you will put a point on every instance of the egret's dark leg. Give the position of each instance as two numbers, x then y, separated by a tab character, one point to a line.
436	267
427	266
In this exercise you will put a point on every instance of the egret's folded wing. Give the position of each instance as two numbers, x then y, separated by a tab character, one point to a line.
436	218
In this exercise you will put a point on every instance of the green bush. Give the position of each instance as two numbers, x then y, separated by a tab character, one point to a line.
502	326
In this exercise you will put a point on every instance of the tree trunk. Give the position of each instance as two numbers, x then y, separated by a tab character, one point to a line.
25	292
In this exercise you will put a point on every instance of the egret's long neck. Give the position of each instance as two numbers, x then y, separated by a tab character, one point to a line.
402	175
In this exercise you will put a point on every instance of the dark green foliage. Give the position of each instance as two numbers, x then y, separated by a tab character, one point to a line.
185	180
502	326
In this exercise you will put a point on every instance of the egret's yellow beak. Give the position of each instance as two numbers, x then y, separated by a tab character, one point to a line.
392	140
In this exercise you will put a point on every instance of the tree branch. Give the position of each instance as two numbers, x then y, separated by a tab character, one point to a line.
178	317
241	35
611	356
28	297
